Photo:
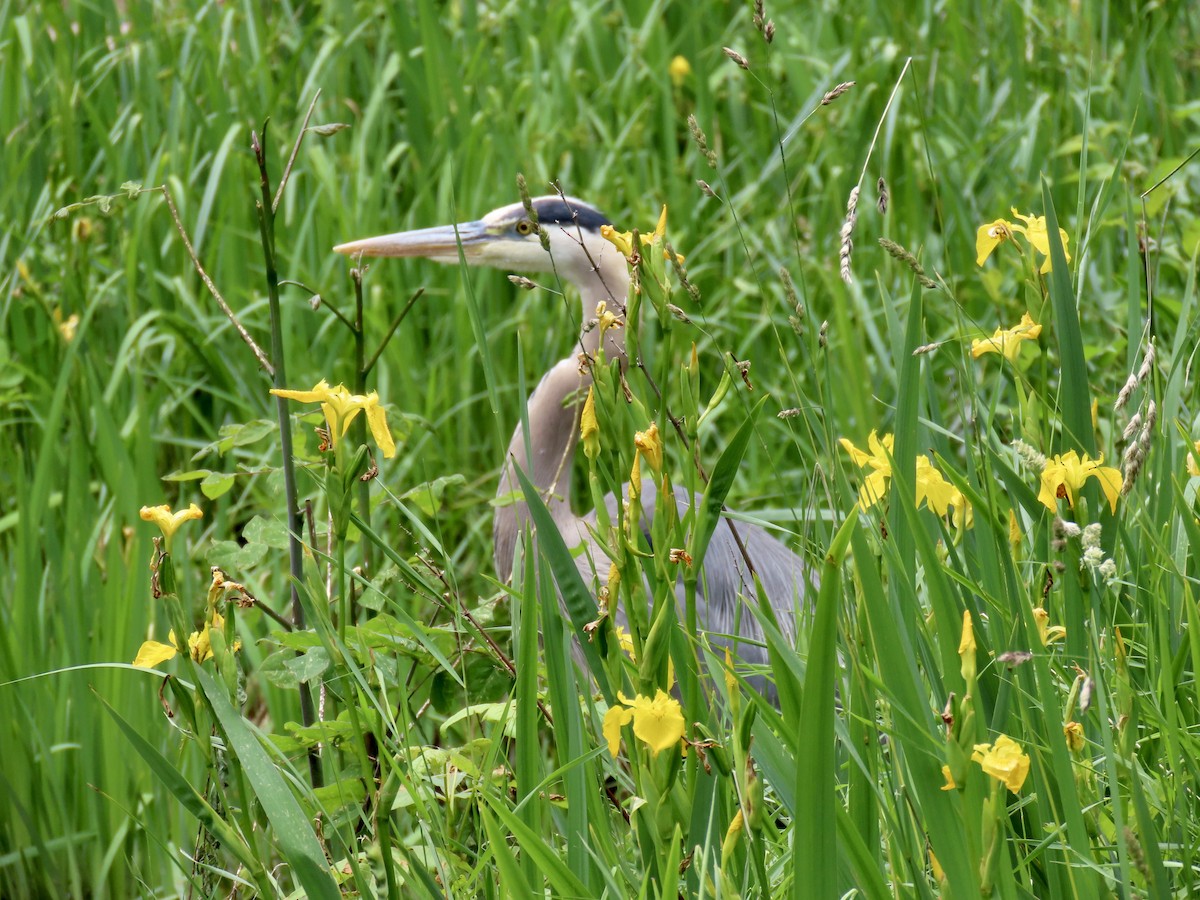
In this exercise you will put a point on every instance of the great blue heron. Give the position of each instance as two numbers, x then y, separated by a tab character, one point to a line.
506	238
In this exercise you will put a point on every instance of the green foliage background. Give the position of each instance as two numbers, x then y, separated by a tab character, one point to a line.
447	102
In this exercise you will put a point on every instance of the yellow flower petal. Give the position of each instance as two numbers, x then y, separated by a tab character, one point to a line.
1047	632
949	785
318	394
988	237
874	486
614	720
152	653
1192	468
377	420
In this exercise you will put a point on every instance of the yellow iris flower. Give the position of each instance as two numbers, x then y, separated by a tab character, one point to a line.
152	653
1192	468
1007	341
1004	761
1065	474
167	521
341	408
992	234
657	723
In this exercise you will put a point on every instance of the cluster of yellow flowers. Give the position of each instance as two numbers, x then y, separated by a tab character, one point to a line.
932	486
199	643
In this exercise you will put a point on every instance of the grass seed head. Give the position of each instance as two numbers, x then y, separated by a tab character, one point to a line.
836	91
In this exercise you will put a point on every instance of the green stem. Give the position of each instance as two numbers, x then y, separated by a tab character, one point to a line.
360	425
266	225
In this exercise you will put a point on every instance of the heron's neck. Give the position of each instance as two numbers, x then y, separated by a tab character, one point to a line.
553	412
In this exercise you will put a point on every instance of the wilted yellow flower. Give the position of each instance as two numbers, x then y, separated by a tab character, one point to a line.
658	723
1007	340
66	327
623	240
605	319
169	522
589	428
966	647
1065	474
1014	530
1192	468
341	408
649	445
679	69
1073	732
1004	761
1047	632
989	236
874	486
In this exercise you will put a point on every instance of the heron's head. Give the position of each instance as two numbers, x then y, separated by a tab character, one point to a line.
506	238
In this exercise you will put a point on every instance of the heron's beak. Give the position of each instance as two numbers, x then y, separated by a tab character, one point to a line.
440	243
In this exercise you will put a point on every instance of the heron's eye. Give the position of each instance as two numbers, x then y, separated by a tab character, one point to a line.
524	227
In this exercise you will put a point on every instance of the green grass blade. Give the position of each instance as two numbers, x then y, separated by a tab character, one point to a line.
298	843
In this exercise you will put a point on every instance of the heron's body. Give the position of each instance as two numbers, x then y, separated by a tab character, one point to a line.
505	238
